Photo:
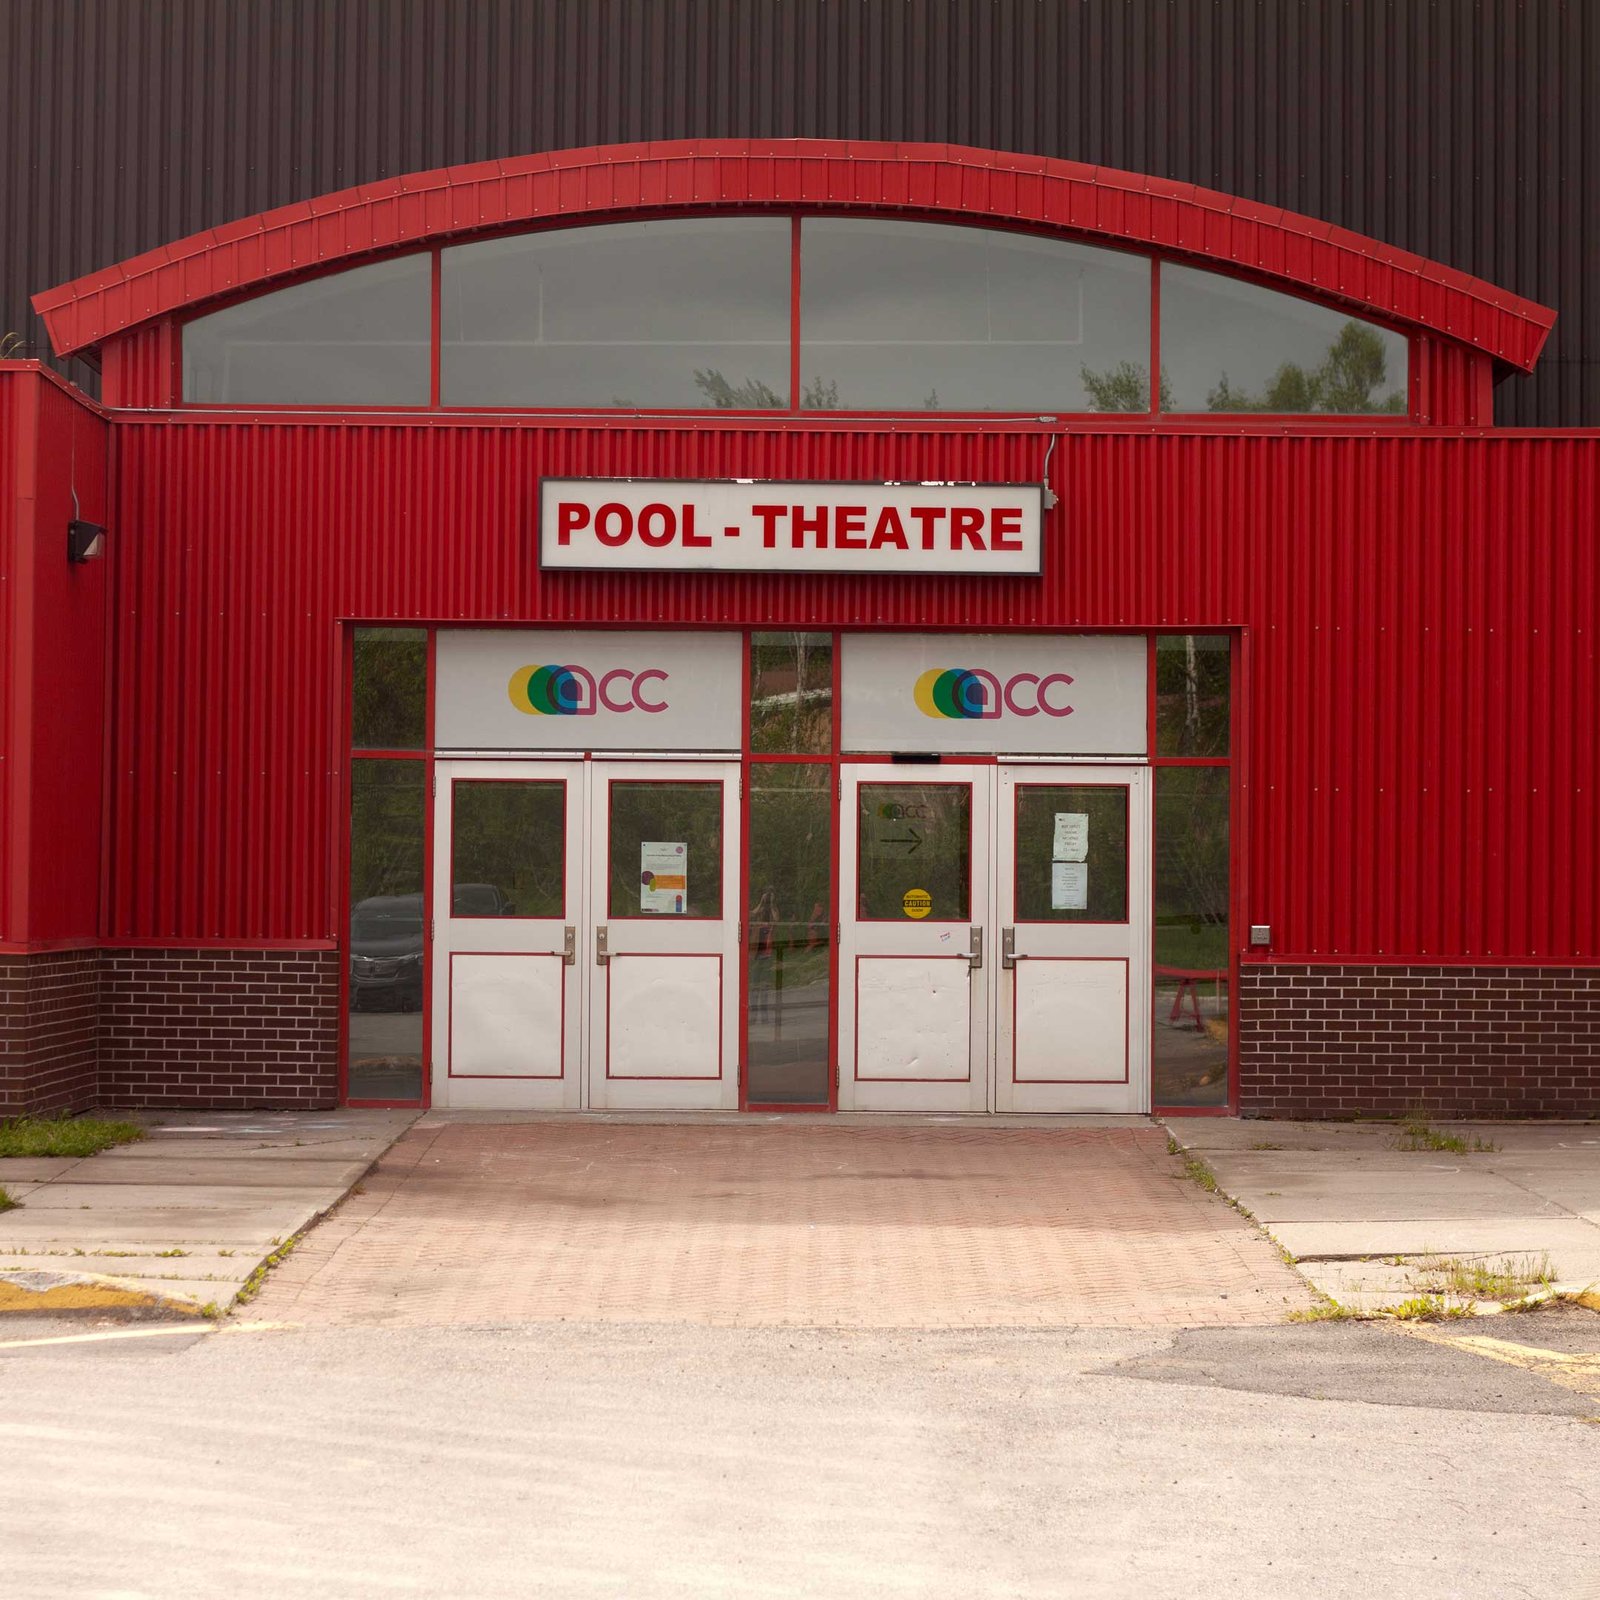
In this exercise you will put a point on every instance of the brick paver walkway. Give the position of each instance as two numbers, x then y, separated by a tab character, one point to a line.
815	1224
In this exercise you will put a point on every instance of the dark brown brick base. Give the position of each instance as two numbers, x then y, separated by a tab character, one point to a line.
1345	1041
219	1029
49	1008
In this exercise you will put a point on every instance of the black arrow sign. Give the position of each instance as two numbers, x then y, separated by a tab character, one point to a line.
913	838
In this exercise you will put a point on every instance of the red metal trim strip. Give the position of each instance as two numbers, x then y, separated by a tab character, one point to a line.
1086	201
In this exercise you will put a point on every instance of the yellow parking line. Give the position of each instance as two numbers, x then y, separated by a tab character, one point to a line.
1579	1372
117	1333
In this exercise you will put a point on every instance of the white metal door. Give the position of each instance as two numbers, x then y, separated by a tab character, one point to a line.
663	950
508	892
1073	971
914	874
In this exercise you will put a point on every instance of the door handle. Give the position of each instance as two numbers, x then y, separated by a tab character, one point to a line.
975	954
602	955
569	947
1008	949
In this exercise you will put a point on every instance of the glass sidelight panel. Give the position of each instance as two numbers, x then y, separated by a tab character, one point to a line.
389	695
914	860
1072	852
789	933
1191	1018
508	849
791	693
665	850
386	925
1192	696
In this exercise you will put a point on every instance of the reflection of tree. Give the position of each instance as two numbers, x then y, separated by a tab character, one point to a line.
511	836
1124	387
754	395
390	689
1192	696
1348	379
385	828
791	693
751	395
1192	865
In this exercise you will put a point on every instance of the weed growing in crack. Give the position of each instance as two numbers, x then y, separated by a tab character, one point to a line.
1416	1132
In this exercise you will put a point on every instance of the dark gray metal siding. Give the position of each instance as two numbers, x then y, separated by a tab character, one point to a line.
1466	130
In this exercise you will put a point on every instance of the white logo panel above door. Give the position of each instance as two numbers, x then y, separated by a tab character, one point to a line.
995	694
539	689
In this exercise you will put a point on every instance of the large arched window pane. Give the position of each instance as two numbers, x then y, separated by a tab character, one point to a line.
659	315
1230	346
910	316
358	338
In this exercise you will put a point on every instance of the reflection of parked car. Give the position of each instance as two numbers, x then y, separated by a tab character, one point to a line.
386	953
480	900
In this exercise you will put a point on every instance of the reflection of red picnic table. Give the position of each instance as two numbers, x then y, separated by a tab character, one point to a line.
1189	981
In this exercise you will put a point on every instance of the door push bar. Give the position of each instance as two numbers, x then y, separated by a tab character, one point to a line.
569	947
975	954
602	955
1008	949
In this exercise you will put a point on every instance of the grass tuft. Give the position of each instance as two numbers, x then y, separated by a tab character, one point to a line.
1506	1279
6	1202
1194	1169
1326	1311
1417	1133
252	1285
1426	1308
40	1137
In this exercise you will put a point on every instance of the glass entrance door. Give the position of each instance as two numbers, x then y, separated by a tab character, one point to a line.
662	950
914	984
507	910
1072	901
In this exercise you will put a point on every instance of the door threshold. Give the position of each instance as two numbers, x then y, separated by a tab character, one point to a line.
971	1121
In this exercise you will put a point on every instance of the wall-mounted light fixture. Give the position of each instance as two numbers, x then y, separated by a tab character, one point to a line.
85	540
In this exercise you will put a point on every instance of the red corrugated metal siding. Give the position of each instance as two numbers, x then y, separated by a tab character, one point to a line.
16	460
55	659
140	369
1423	612
1454	385
70	646
978	185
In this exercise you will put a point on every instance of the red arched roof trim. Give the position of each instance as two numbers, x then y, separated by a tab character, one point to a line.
1278	247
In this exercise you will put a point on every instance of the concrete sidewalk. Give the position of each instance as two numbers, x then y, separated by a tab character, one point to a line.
185	1216
1369	1223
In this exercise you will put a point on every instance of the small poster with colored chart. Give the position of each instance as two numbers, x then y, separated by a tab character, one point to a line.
663	876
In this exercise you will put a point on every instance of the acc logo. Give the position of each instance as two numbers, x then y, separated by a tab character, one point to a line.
972	692
575	692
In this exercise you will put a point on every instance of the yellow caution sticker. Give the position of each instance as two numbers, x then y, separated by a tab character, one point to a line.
916	903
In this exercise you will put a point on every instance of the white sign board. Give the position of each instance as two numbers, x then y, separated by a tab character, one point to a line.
1001	694
1071	841
538	689
627	525
1069	886
663	876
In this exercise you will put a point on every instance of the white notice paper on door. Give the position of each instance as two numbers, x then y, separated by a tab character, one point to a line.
663	876
1072	836
1069	886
